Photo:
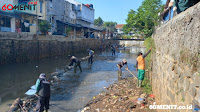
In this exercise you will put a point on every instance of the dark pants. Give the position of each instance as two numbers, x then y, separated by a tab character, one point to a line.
77	65
42	102
100	50
90	59
119	73
113	52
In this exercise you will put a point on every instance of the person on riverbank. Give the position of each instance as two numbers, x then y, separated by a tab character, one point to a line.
113	50
140	67
91	55
77	63
43	93
120	65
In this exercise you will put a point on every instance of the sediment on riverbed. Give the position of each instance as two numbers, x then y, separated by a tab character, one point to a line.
122	96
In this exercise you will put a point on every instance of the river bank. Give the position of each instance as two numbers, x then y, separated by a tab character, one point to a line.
79	88
122	96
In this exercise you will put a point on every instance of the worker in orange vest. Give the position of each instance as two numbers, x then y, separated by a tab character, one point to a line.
140	67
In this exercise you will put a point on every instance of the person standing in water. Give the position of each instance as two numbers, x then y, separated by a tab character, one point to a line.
113	50
77	63
43	92
120	65
91	55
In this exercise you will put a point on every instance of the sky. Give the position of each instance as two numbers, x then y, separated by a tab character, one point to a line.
113	10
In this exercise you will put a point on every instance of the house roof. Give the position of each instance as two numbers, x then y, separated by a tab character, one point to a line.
119	25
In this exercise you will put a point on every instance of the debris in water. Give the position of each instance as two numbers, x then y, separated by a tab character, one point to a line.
121	97
15	105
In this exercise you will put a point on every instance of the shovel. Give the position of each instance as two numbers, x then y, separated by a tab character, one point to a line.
130	72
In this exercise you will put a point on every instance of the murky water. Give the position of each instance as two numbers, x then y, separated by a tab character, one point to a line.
79	88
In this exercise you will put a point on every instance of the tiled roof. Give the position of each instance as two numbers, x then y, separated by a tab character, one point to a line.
119	25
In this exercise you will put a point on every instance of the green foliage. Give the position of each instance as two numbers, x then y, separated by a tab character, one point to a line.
147	86
145	18
68	29
126	37
44	26
98	22
110	26
149	42
183	100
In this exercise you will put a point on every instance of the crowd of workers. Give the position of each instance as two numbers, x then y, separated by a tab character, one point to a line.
43	86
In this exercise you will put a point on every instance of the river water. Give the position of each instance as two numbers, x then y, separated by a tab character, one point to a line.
78	88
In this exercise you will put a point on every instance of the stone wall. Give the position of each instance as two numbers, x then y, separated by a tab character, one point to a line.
25	47
131	43
176	60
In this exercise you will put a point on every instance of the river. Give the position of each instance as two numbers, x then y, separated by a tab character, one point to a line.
79	88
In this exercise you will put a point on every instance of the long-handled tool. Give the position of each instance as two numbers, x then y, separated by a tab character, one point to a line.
130	72
21	108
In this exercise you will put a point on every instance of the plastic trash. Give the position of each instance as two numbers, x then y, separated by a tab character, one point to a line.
142	105
115	96
152	96
140	99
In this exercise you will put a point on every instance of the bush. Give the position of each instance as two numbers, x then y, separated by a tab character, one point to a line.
149	42
126	37
44	26
147	86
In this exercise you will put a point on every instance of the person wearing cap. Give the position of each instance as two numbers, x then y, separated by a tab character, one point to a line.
120	65
77	63
43	93
91	55
140	67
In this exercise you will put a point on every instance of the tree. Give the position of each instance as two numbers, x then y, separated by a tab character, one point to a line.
110	26
98	22
144	19
44	26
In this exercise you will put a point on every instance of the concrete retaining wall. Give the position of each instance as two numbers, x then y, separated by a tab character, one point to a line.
176	61
131	43
24	47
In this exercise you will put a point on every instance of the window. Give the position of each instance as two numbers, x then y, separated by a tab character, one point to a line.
23	1
73	7
40	6
5	22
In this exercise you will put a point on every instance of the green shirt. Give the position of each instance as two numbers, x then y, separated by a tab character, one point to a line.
37	85
182	5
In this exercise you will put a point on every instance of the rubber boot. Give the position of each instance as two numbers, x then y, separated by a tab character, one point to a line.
137	83
119	75
75	67
140	83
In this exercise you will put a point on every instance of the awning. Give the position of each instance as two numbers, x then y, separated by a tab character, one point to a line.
72	25
15	14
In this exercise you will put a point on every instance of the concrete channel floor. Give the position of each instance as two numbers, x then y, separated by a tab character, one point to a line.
83	86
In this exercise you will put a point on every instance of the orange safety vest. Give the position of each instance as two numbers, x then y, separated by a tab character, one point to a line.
141	63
